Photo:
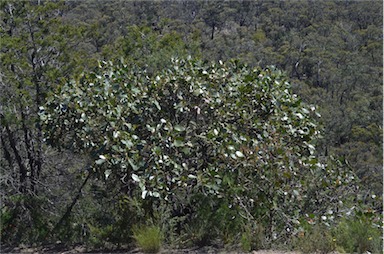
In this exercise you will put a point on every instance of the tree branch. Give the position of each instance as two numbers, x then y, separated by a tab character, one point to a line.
70	207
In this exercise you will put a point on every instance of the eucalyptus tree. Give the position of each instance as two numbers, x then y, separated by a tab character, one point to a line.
223	132
35	56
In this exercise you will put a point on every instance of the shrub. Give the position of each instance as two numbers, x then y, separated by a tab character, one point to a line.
358	235
252	238
317	240
235	135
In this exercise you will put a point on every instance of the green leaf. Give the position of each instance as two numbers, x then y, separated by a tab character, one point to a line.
179	128
239	154
186	150
127	143
135	90
144	194
157	104
178	143
107	173
99	161
135	178
157	150
299	115
133	165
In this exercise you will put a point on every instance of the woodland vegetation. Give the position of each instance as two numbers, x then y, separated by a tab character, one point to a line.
238	124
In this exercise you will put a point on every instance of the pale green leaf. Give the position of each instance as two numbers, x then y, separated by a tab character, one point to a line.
135	178
107	173
179	128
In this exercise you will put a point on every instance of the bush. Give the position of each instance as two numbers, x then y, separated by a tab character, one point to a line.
317	240
358	235
252	238
199	129
148	238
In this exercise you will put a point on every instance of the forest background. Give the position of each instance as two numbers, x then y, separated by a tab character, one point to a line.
330	51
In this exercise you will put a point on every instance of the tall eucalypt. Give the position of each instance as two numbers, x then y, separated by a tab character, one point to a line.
219	129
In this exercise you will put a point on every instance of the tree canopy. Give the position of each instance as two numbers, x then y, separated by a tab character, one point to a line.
222	129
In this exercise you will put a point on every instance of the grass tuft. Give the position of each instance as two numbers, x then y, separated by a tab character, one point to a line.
148	238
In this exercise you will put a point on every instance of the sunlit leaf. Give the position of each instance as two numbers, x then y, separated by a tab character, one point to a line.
179	128
239	154
135	178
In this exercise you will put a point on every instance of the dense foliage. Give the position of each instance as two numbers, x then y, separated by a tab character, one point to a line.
163	138
221	130
36	53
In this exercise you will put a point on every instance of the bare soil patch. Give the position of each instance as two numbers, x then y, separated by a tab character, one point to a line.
58	248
